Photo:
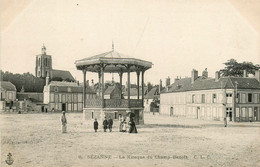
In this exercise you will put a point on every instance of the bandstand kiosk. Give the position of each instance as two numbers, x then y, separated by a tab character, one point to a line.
113	62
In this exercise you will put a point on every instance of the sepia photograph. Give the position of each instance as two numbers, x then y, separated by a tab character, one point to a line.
129	83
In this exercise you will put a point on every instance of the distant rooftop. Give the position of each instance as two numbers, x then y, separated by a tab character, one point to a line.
7	85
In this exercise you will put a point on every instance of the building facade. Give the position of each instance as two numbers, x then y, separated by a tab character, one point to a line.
234	98
151	97
63	96
8	95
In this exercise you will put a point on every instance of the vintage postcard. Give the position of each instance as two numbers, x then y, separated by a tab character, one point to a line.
130	83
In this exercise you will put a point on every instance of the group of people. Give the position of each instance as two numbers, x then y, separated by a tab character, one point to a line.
107	124
123	125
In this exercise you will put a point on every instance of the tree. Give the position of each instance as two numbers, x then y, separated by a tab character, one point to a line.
233	68
150	86
26	80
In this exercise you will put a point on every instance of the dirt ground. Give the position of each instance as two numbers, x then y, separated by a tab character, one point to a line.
36	140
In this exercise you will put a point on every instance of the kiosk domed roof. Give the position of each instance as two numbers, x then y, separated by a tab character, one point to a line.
113	62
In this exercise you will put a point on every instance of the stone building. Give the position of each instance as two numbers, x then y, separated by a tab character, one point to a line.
63	96
200	97
152	96
8	95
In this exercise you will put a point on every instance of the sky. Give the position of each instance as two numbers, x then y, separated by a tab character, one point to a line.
176	36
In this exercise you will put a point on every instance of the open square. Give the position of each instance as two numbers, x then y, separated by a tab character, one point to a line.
36	140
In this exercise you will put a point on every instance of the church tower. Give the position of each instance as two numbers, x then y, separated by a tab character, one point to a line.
43	64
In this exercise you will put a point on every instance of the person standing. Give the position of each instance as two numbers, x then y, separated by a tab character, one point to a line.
124	125
105	124
132	128
225	122
95	125
64	122
120	119
110	124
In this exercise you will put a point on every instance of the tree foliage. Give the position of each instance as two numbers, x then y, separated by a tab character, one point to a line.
26	80
234	68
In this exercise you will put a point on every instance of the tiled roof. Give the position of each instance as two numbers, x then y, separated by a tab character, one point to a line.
35	97
110	58
109	90
210	83
134	92
62	74
62	83
152	93
7	85
64	87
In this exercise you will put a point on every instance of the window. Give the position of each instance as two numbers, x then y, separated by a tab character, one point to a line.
229	97
255	98
56	89
214	98
193	98
243	97
75	98
115	115
249	97
250	112
146	101
39	62
203	98
243	112
69	89
92	115
237	112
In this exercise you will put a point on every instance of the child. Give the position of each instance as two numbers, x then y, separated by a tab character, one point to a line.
95	125
124	126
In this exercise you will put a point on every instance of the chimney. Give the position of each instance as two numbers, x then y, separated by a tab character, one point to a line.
205	74
176	79
92	83
244	73
168	81
160	86
257	75
217	76
194	75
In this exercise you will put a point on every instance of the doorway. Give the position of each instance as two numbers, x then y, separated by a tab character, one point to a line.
229	113
198	111
63	107
171	112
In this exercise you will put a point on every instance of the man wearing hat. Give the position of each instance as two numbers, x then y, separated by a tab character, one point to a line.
64	122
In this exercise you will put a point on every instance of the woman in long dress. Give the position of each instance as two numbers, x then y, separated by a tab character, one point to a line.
132	128
124	126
